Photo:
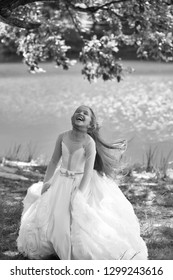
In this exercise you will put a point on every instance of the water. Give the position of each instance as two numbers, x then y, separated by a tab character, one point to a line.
36	108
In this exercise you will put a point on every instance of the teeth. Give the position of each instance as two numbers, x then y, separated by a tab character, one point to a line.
80	118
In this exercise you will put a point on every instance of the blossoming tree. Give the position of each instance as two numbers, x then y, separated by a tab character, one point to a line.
37	28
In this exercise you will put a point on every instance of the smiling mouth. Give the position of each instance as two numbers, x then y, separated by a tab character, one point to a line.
80	118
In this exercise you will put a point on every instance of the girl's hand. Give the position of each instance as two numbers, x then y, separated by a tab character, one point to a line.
45	187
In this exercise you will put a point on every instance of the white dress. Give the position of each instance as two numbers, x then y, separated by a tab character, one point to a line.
98	223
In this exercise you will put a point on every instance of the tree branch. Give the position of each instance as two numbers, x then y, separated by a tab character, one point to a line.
94	9
6	9
72	18
13	4
20	23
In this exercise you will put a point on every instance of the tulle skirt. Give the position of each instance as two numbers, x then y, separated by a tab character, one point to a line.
98	223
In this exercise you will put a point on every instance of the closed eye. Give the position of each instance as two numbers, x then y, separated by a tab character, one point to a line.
79	112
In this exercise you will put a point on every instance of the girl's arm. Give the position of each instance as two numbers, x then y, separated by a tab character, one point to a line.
54	160
90	151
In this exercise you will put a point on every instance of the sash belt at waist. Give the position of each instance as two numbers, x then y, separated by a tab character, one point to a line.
69	173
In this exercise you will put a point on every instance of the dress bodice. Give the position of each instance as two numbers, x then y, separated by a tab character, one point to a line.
75	154
73	157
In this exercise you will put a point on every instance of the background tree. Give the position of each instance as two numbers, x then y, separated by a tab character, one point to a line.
40	30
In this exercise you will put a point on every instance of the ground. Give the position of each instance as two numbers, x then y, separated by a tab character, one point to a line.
151	197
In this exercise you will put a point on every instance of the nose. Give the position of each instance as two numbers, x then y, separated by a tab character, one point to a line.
81	113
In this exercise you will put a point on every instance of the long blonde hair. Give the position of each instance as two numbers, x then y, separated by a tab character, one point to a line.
106	161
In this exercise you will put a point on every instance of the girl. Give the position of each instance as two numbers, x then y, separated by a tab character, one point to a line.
79	212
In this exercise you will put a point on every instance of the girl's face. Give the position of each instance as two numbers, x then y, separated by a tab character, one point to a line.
82	117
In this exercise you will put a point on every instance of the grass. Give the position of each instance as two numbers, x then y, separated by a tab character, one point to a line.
156	161
164	164
150	159
153	203
12	193
21	152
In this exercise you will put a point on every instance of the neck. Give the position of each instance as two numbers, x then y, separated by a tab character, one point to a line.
79	132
